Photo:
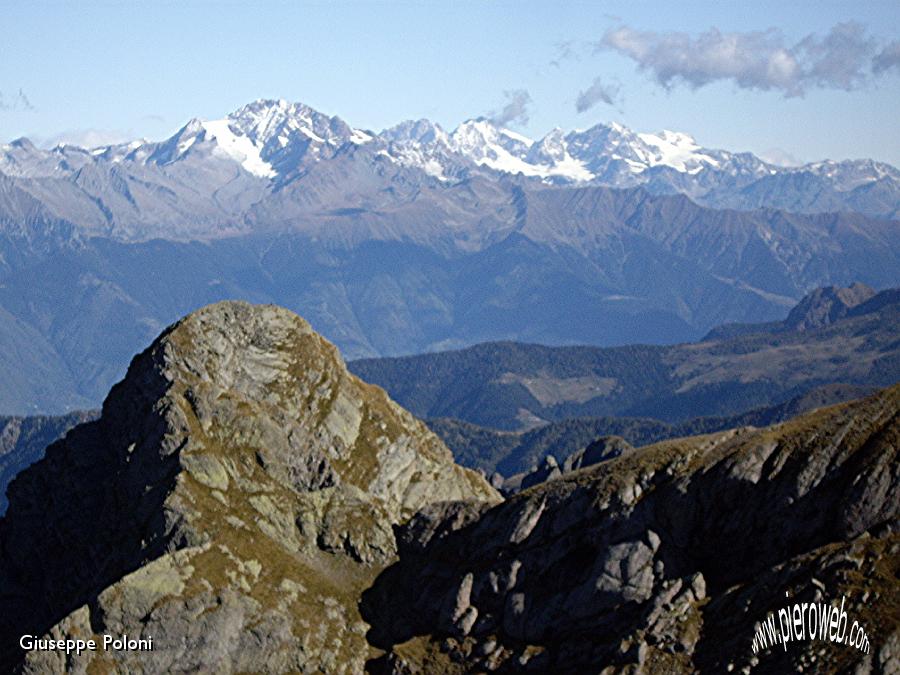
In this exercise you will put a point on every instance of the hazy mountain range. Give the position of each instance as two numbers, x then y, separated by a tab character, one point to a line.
513	452
412	239
835	335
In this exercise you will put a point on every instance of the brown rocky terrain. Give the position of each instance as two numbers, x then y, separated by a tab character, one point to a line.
254	507
233	501
663	559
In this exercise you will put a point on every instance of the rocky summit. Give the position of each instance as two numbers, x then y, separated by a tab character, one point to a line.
251	506
232	502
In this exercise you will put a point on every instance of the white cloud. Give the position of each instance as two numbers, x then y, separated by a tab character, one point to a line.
780	157
842	59
85	138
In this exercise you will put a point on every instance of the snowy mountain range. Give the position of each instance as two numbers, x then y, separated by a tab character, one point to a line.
275	142
412	239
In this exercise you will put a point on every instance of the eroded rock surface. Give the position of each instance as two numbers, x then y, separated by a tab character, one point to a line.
664	558
233	501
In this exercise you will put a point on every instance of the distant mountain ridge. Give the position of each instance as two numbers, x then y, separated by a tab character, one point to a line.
273	143
820	308
509	453
514	386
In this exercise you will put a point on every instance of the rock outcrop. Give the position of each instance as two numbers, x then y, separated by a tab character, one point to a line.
234	499
253	507
826	305
664	559
602	449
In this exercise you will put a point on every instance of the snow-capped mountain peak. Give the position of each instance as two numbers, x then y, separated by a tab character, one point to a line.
279	141
677	150
270	123
421	132
486	144
551	148
216	138
268	137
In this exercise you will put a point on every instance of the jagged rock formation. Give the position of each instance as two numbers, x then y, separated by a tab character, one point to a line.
663	559
599	450
603	449
233	501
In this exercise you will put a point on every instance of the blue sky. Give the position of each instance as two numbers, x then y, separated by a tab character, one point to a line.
115	70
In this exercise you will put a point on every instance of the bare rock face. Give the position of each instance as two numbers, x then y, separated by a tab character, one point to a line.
235	498
603	449
826	305
662	559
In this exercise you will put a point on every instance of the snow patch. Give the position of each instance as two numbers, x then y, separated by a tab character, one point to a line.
677	150
239	148
360	137
571	168
517	137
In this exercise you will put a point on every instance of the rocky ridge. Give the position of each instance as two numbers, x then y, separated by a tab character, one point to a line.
254	507
601	449
234	499
664	559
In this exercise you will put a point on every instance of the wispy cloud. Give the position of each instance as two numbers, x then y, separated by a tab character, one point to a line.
19	102
85	138
780	157
887	59
515	111
566	50
844	58
598	92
